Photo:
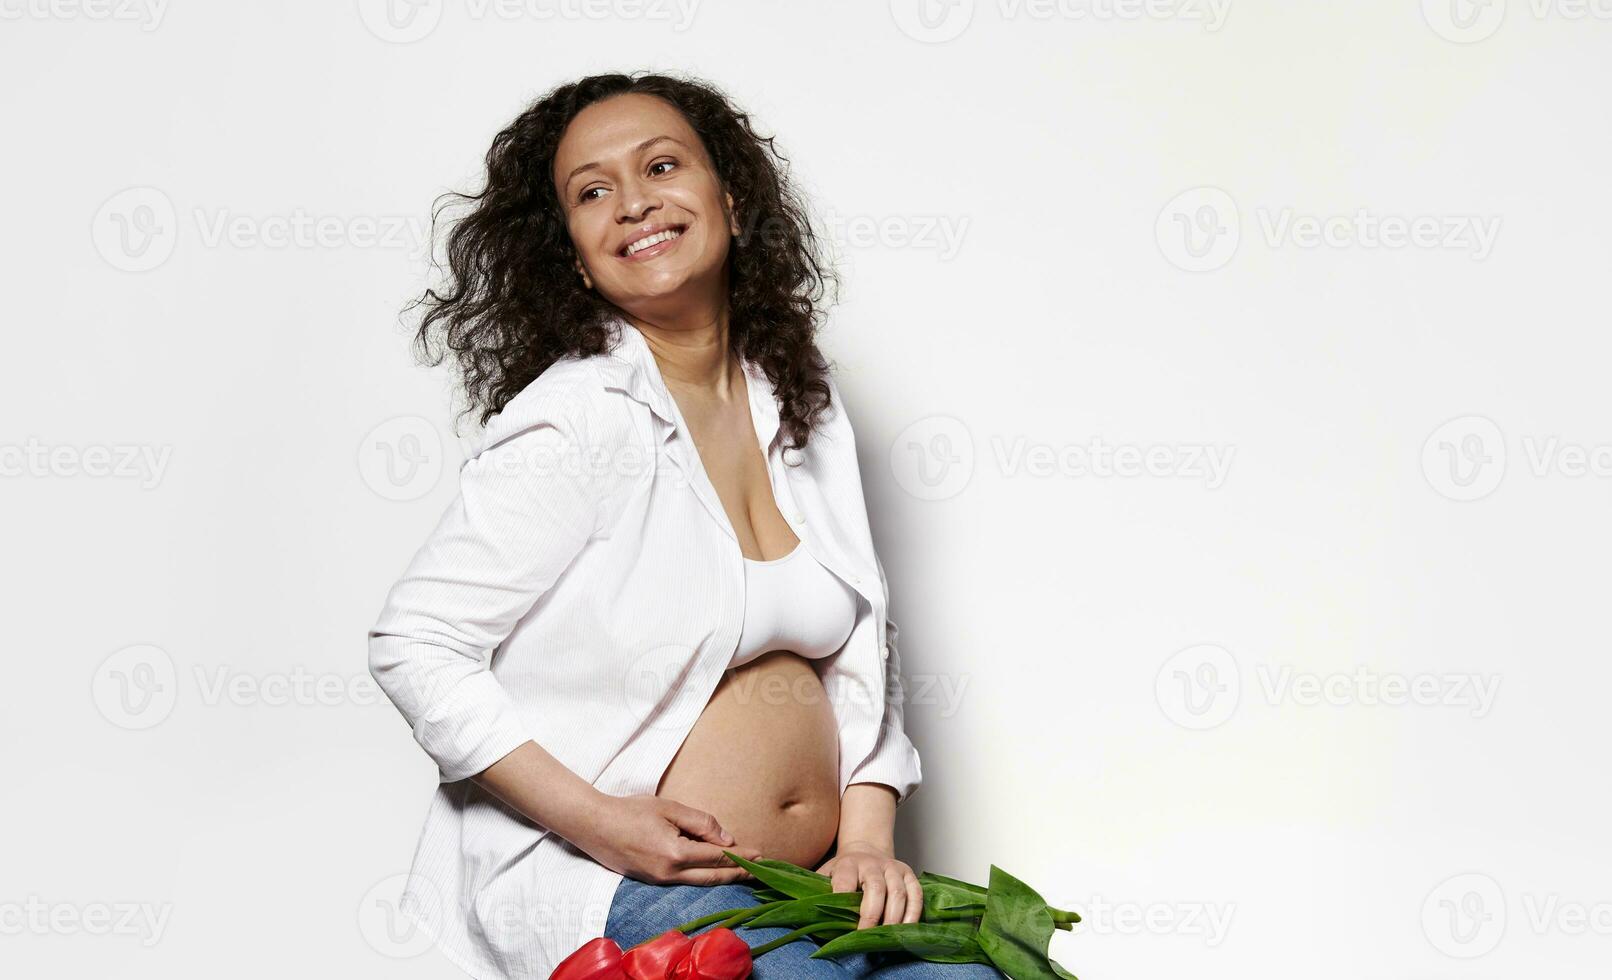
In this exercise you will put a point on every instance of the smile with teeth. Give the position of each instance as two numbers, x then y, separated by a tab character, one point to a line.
655	239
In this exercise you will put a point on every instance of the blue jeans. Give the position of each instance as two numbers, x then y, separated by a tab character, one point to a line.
641	911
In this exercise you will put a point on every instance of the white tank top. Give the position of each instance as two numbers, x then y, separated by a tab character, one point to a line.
794	603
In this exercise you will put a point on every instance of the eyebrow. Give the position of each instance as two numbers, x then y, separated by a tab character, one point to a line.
641	147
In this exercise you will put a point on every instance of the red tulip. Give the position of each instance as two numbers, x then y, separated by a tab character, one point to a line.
717	954
598	959
653	959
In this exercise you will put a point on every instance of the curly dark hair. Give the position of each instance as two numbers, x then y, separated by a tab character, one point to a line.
512	303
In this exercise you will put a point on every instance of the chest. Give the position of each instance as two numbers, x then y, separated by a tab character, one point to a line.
725	445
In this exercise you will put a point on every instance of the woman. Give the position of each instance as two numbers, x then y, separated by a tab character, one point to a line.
662	543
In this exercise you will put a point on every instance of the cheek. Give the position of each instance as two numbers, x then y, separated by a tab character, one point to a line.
587	237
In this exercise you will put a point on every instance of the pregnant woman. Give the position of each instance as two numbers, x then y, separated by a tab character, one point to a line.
652	624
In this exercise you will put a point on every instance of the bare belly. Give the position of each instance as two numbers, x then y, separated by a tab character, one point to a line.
763	758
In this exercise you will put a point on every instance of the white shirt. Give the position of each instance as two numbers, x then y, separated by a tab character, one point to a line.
589	555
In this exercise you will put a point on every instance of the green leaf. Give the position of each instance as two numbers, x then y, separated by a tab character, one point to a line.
941	892
1065	974
1016	929
937	942
791	879
800	912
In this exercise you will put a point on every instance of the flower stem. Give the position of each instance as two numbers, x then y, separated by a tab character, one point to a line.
737	915
796	934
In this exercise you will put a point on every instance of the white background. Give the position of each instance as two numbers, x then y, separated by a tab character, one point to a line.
1156	696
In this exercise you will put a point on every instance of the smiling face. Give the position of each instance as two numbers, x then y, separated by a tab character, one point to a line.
647	214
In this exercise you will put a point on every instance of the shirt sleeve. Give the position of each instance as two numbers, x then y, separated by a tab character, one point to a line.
895	760
527	503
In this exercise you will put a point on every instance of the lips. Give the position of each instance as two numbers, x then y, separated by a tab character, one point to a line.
656	232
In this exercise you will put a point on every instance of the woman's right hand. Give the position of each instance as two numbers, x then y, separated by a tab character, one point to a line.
660	841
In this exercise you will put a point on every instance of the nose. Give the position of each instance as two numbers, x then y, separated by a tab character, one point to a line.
635	200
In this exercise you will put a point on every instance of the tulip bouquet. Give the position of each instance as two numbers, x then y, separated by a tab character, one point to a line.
1006	924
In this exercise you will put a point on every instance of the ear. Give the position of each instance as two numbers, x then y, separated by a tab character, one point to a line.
733	219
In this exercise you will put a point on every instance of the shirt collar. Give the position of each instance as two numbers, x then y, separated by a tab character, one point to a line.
631	367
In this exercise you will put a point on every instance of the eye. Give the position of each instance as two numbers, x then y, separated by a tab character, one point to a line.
583	198
667	162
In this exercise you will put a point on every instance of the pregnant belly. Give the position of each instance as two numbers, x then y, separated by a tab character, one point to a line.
763	758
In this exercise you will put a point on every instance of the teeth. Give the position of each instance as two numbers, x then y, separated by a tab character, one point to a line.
655	239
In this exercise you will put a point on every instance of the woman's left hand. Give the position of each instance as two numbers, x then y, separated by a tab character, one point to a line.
890	889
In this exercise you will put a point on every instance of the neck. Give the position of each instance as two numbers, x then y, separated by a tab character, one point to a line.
692	352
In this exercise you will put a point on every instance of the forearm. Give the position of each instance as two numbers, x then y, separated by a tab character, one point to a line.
542	788
868	817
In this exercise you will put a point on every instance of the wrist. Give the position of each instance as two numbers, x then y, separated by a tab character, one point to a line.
882	847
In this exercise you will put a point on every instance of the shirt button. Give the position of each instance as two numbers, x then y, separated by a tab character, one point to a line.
885	653
800	518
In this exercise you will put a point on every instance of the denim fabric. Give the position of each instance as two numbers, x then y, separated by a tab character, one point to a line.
641	911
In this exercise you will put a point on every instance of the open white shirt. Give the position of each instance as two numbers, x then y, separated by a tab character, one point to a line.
585	590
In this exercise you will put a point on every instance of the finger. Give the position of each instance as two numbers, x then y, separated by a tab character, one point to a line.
698	824
710	876
895	900
872	901
845	877
694	854
915	898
